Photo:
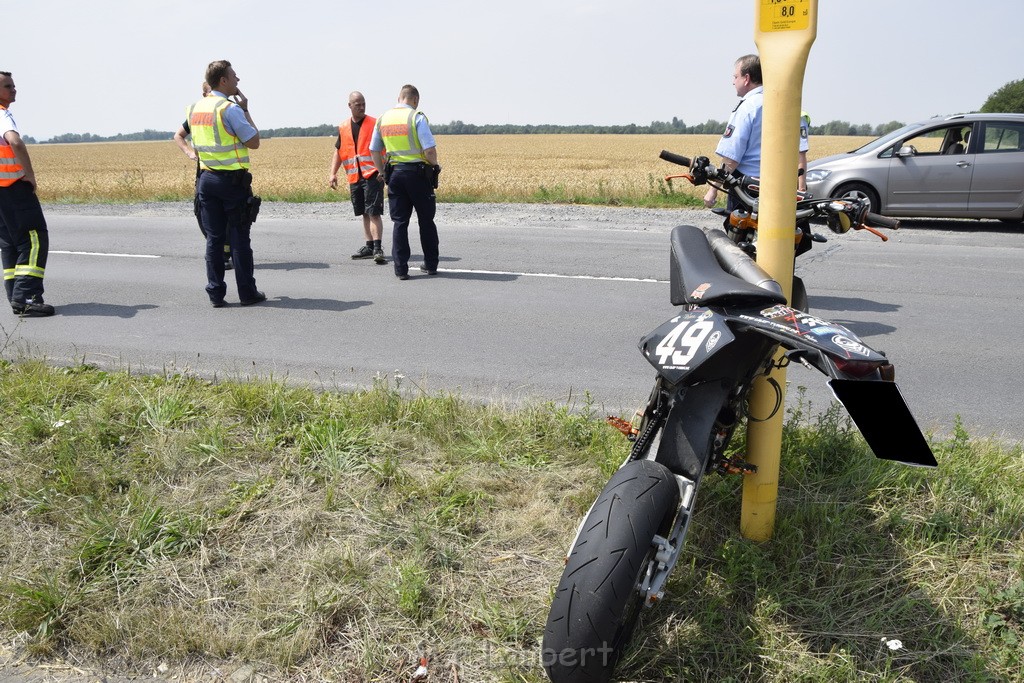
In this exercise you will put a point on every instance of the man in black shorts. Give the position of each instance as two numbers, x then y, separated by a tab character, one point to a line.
364	182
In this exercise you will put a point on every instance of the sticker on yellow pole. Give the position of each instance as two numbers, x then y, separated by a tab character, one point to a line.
785	15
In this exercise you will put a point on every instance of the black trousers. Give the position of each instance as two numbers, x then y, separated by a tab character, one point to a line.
409	190
24	241
222	202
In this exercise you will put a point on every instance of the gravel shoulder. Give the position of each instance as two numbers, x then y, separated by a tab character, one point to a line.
448	214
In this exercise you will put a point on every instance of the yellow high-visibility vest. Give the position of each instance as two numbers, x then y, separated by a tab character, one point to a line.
398	131
218	149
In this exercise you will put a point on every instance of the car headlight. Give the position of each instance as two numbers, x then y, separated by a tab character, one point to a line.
817	175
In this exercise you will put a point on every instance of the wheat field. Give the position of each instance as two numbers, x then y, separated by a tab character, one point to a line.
606	169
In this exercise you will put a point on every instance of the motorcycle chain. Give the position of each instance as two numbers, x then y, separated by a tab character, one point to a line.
643	441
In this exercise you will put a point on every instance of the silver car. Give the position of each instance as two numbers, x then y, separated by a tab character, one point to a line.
964	166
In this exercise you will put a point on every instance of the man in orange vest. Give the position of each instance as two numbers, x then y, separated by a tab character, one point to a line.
365	185
24	240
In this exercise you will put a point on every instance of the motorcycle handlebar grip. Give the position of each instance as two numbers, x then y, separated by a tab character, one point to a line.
881	221
674	158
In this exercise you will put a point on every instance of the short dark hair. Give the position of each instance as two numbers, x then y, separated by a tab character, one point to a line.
5	73
750	65
216	71
408	91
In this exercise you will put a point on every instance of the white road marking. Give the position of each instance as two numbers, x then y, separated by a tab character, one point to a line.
97	253
554	275
440	270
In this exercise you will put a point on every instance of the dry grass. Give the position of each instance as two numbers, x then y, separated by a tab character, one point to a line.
612	169
303	535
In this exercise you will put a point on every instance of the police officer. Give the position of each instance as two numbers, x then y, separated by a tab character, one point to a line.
24	240
410	171
805	134
180	139
222	134
740	146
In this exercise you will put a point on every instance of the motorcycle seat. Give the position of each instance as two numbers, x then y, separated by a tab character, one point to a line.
697	277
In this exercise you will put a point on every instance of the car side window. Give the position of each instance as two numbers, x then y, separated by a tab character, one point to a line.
1003	137
937	141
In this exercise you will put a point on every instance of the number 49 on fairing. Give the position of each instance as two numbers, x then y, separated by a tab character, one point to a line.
686	340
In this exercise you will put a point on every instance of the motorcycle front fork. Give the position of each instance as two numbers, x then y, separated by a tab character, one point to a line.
647	437
668	550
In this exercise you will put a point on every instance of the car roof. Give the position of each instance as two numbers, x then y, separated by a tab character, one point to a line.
974	116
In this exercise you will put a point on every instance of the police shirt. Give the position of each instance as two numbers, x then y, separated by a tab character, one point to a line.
741	141
235	121
7	124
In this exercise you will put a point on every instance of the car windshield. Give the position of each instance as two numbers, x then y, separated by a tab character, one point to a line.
885	139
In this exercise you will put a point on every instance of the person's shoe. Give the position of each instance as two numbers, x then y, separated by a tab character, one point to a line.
33	308
218	303
428	271
403	277
378	257
364	252
259	298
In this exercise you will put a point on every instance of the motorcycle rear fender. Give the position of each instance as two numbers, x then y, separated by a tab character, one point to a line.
795	329
686	441
883	417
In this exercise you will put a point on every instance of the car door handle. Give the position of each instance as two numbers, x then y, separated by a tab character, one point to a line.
963	164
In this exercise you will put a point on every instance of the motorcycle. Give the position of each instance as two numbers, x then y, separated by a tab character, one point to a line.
734	317
741	226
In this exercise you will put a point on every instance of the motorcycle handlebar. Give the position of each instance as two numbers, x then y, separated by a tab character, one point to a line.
881	221
674	158
702	172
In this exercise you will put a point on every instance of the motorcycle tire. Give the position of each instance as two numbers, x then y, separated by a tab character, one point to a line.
598	600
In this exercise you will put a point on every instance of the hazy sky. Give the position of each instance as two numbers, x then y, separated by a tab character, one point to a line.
119	66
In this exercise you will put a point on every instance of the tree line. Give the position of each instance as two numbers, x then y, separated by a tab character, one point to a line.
1009	98
675	126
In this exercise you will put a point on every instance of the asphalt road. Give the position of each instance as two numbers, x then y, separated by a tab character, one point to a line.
531	303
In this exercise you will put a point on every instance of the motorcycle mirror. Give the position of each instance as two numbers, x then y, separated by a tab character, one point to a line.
838	223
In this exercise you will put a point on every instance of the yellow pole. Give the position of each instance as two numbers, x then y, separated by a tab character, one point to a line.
784	31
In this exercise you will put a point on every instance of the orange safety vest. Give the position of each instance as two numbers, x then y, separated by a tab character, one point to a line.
10	170
354	157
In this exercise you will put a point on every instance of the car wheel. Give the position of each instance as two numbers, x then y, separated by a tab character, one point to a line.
859	191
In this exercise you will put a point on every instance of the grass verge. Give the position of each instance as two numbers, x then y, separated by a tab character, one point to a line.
170	520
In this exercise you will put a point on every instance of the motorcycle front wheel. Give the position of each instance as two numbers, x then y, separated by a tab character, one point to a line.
598	601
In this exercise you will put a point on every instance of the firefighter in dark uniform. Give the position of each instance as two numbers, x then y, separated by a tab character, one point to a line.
410	171
24	240
222	135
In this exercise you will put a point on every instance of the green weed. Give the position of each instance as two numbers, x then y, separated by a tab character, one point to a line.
314	535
